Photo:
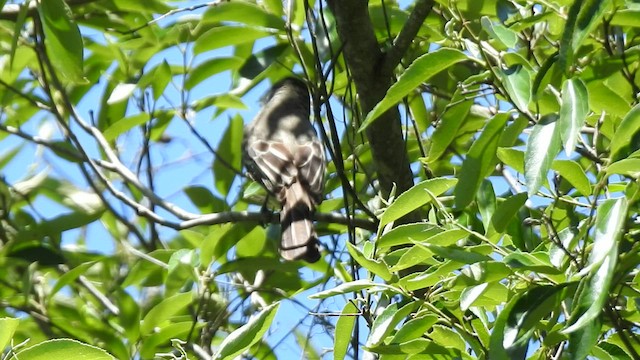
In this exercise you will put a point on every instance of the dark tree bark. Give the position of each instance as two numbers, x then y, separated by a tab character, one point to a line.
372	73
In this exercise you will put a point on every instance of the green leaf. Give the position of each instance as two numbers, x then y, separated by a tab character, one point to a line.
209	68
447	130
414	328
163	311
521	316
505	211
627	167
352	286
512	158
226	164
498	31
414	198
406	233
244	13
344	329
603	98
601	266
573	112
222	36
429	277
517	83
582	17
121	93
373	265
204	200
386	322
622	138
125	124
161	78
70	276
62	39
17	29
572	171
542	147
419	347
421	70
8	327
260	61
67	349
248	334
480	161
538	262
129	316
467	255
161	338
481	272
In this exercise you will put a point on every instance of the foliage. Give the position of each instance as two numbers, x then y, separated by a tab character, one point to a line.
128	230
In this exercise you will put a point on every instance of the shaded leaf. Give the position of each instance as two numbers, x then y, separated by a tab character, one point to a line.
227	163
62	39
480	161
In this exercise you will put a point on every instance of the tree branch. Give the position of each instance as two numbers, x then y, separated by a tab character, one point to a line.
404	39
363	56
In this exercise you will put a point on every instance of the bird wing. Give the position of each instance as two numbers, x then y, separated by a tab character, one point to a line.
274	163
309	159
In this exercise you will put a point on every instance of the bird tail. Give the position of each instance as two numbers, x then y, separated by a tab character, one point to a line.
299	238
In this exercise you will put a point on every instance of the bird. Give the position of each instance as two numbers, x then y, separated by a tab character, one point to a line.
281	150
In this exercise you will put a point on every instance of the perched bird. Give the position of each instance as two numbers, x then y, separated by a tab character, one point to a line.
282	151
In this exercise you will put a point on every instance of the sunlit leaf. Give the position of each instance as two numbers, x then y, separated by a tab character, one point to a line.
248	334
164	311
67	349
517	82
626	133
573	112
601	266
375	266
414	198
125	124
386	321
222	36
542	147
418	72
8	327
498	31
344	328
572	171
